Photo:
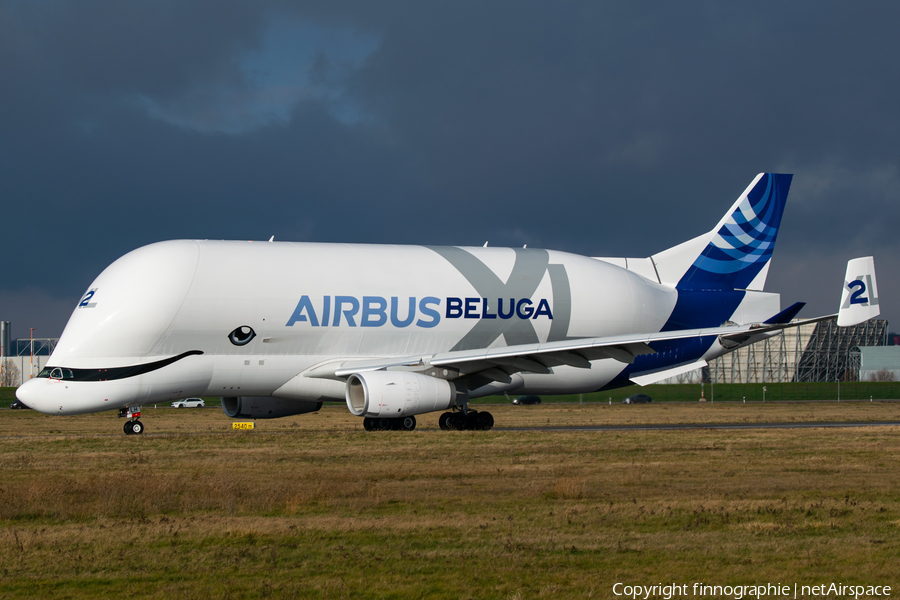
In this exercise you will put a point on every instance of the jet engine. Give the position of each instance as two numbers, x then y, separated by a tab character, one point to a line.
392	394
266	407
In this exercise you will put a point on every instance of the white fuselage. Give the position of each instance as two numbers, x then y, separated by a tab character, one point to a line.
313	304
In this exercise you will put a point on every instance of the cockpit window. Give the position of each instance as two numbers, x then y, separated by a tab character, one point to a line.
56	373
59	373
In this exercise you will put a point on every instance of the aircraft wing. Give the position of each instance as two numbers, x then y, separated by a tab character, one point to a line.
538	358
859	303
736	339
497	363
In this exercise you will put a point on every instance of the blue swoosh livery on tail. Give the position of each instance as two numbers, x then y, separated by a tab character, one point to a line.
743	244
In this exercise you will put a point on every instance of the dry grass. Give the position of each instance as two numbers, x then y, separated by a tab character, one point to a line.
335	417
314	507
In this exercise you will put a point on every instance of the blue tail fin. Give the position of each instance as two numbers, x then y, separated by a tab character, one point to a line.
735	254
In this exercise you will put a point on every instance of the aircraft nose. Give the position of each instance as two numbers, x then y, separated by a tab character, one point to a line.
30	393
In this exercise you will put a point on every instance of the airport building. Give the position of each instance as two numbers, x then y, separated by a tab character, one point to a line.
817	352
20	360
877	363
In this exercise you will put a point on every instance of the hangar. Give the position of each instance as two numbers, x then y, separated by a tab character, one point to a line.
877	363
817	352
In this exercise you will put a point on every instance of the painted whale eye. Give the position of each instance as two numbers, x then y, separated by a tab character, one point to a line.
242	335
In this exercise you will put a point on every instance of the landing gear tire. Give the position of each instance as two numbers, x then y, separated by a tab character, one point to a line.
484	421
472	420
137	427
385	424
457	422
129	427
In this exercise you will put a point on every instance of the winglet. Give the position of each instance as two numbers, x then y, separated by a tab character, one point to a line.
859	302
786	315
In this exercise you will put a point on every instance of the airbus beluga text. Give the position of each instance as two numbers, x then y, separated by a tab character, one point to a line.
399	331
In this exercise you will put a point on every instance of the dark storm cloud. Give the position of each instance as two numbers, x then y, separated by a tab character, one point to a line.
610	130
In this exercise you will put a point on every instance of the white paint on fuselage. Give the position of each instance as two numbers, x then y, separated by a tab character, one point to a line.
135	300
172	297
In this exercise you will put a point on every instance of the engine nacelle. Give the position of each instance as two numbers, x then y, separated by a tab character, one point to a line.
266	407
390	394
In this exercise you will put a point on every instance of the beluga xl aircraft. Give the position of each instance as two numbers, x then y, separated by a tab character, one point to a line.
276	328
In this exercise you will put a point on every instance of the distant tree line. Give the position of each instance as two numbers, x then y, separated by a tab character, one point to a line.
9	374
882	375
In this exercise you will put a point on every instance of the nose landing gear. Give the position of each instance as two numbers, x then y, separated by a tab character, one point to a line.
133	426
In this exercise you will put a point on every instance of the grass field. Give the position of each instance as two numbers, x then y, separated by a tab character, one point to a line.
314	507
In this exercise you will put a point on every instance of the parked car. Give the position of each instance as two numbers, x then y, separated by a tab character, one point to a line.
521	400
19	404
637	399
189	403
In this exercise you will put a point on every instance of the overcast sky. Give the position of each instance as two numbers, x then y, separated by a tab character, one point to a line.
606	129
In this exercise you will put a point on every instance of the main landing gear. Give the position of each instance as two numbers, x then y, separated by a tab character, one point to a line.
466	419
132	426
399	424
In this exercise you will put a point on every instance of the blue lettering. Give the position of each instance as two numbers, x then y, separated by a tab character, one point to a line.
484	310
857	296
326	312
472	308
512	308
373	306
372	311
528	310
429	312
454	308
411	314
349	313
304	305
87	297
543	309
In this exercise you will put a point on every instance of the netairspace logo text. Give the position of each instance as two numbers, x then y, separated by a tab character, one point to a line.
741	592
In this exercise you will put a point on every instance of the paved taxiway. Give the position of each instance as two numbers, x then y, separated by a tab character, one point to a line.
801	425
